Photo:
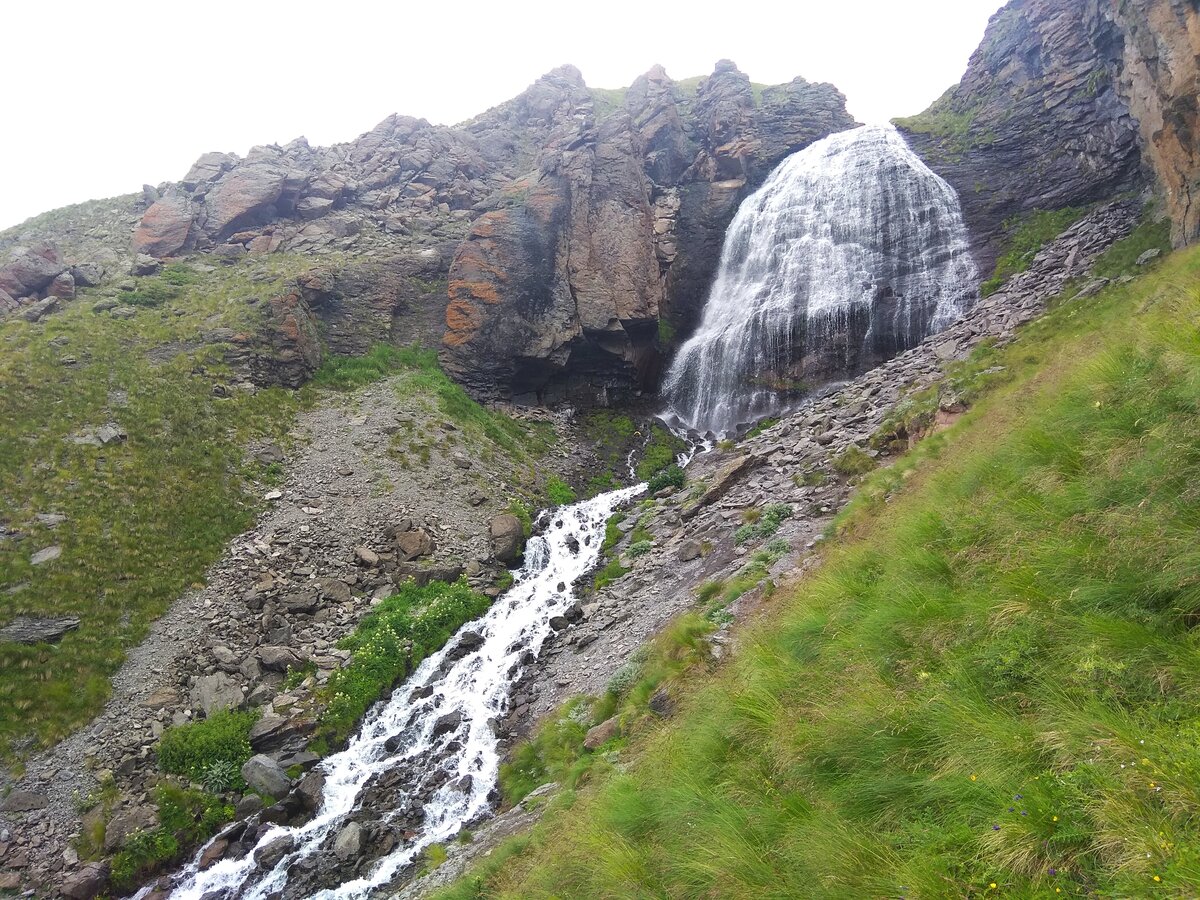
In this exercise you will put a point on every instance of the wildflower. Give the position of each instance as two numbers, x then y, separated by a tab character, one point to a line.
1156	878
992	886
1053	871
1012	809
995	828
972	777
1019	797
1054	818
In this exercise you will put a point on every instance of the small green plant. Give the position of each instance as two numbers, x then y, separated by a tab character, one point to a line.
520	509
221	775
613	532
194	749
640	548
760	428
672	476
558	492
610	573
810	478
433	856
666	333
765	524
296	676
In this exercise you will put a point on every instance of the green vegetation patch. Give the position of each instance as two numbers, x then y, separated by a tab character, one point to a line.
389	643
144	516
556	751
1025	239
991	685
765	524
186	818
211	749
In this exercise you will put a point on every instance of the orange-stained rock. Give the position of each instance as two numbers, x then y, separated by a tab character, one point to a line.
166	228
1161	83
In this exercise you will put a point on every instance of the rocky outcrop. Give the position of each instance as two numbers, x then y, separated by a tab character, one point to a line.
1160	84
1037	121
1066	103
594	217
560	286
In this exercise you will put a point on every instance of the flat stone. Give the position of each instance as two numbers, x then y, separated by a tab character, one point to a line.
24	801
34	630
45	555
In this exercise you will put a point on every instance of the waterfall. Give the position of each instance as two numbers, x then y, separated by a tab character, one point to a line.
438	727
851	252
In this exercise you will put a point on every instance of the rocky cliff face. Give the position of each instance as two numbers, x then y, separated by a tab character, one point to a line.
1066	103
1037	121
559	290
1160	84
566	222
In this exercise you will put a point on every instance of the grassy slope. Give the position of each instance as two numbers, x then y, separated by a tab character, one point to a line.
144	517
989	687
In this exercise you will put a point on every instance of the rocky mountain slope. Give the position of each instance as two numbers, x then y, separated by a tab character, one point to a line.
588	218
1064	104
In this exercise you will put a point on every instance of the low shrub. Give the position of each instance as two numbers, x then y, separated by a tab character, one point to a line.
558	492
672	476
194	749
764	525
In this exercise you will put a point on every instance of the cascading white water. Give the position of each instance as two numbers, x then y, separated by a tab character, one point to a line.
851	252
475	686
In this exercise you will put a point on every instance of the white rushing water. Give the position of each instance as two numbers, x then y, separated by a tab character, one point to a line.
475	686
851	252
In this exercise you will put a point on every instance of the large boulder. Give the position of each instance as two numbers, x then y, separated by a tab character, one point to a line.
89	881
507	538
166	227
216	692
349	842
126	823
247	195
30	270
266	776
413	544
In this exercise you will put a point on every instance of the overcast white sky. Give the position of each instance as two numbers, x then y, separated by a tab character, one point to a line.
101	97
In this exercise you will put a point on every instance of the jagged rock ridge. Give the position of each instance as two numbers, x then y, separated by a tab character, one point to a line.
589	220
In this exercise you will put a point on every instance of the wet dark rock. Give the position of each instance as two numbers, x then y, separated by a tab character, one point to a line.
447	723
270	855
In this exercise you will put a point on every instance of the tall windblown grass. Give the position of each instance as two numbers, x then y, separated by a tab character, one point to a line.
991	687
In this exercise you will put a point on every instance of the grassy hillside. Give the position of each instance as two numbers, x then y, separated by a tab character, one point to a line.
143	516
991	687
